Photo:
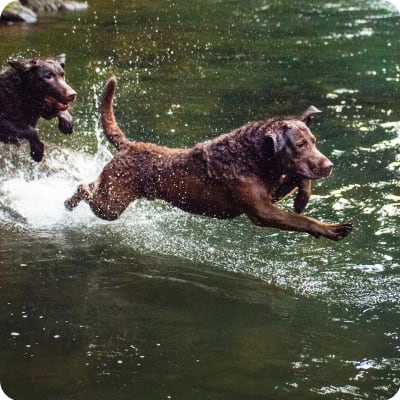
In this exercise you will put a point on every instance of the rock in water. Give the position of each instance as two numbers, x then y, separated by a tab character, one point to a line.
54	5
75	5
25	10
15	11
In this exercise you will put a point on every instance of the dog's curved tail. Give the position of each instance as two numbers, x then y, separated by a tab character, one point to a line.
110	127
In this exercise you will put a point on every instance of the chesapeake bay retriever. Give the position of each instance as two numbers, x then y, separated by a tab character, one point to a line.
30	90
245	171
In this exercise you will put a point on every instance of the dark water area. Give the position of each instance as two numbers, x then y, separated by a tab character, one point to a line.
161	304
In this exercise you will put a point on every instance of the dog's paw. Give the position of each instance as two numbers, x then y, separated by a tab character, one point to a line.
68	205
37	151
338	231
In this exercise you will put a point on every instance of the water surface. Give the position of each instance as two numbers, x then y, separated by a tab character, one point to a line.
162	304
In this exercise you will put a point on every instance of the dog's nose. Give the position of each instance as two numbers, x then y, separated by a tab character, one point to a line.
71	96
327	168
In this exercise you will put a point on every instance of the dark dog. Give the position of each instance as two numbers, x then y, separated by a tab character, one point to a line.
242	172
30	90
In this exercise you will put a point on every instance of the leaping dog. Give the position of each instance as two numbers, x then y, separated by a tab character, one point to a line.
245	171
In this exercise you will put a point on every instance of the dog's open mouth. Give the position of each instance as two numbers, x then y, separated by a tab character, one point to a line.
53	104
51	107
62	106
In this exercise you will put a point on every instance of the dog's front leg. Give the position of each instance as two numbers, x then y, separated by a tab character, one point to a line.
16	132
287	185
37	146
284	188
303	195
65	122
254	199
8	133
273	217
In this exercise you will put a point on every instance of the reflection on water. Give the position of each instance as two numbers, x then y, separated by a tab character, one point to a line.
164	304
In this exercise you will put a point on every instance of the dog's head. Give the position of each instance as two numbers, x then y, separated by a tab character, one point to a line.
44	80
294	147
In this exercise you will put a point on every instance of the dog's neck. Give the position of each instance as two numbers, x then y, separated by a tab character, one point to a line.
19	100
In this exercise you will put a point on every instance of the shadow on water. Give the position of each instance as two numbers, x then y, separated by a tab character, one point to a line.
163	304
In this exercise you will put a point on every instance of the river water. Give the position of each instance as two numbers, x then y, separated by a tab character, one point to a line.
161	304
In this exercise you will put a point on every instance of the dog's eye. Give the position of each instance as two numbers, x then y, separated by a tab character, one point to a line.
301	144
48	75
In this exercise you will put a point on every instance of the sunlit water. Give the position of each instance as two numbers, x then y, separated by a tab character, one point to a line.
164	304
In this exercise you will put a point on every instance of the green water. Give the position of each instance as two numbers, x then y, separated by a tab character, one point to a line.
162	304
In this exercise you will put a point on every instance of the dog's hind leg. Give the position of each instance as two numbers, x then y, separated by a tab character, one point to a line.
82	193
104	204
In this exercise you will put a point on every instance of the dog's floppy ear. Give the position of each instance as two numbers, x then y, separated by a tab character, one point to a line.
307	115
22	66
61	59
274	138
270	146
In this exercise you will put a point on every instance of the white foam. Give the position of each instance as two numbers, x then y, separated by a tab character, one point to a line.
40	202
35	193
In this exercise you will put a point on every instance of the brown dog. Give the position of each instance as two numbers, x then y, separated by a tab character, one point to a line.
242	172
30	90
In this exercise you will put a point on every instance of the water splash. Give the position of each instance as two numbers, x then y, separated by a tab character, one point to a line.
32	198
32	194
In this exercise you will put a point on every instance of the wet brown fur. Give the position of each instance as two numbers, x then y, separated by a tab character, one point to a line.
245	171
